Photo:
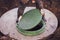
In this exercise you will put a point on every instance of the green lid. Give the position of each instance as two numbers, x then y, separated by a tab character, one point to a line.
30	19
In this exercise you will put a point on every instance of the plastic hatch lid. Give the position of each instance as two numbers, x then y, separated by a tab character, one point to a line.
30	19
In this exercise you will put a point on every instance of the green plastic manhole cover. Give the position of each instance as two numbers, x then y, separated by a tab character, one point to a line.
30	19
